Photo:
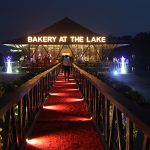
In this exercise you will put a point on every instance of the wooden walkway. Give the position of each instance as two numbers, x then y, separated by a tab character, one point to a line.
64	122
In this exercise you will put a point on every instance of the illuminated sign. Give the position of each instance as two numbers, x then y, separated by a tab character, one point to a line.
16	50
65	39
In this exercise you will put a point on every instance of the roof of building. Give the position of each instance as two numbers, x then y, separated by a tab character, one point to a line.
64	27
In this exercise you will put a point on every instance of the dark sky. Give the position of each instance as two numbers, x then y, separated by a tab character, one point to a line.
115	17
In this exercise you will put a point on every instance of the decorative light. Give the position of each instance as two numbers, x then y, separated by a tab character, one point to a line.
123	70
17	71
115	72
9	64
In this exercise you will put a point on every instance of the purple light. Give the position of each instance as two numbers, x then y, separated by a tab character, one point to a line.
9	64
8	58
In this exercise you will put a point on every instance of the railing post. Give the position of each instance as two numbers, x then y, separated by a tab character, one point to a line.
20	123
19	111
146	143
121	139
14	129
1	144
6	131
129	134
96	104
112	127
99	111
106	122
121	121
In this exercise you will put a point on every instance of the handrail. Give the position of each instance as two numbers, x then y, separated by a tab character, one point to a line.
19	108
6	103
98	93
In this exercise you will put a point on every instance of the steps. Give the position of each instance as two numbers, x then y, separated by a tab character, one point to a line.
64	122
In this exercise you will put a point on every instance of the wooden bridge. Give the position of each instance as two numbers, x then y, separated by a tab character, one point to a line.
83	113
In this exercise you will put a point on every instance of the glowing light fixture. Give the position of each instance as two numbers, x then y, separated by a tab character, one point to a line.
123	70
9	64
59	94
59	81
17	71
32	141
115	72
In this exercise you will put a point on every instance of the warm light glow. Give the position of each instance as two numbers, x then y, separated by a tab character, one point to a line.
16	50
71	79
59	94
70	83
76	118
65	108
96	40
65	39
78	39
32	141
55	107
58	86
42	142
42	39
63	54
60	81
87	119
70	89
73	99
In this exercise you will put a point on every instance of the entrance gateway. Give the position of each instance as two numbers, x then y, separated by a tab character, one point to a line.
65	37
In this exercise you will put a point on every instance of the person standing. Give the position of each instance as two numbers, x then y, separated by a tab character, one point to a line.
66	64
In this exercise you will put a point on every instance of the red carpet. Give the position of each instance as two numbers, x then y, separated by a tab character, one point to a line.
64	122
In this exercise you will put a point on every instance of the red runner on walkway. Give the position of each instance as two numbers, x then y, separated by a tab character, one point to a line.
64	122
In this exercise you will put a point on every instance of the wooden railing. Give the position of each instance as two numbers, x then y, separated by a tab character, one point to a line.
18	109
123	123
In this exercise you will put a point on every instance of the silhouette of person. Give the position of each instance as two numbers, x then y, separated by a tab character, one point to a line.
66	64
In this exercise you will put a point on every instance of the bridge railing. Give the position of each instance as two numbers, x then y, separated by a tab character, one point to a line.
123	123
18	109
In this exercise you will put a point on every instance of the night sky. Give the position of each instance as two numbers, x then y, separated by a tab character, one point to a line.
109	17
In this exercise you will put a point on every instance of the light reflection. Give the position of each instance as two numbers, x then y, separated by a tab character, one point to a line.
32	141
55	107
73	99
71	89
86	119
71	79
59	94
76	118
59	81
40	142
64	108
115	72
70	83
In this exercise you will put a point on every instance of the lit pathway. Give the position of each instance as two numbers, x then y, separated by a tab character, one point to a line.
64	122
